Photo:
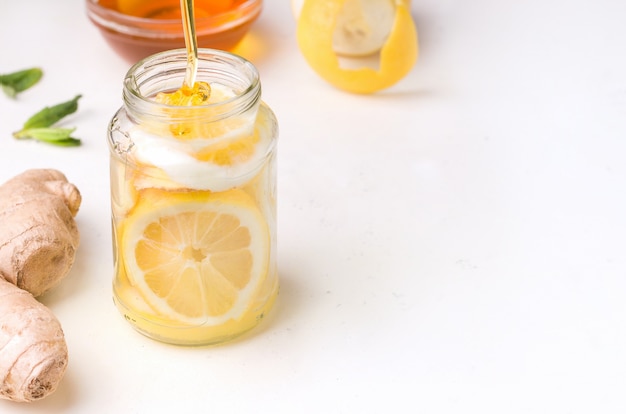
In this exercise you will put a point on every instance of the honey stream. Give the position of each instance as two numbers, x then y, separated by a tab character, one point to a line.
191	42
191	92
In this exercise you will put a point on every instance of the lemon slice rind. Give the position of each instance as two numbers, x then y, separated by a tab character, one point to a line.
259	247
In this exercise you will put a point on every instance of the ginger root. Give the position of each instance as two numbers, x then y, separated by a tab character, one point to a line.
38	242
33	354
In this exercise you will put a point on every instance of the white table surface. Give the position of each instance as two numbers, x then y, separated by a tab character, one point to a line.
455	244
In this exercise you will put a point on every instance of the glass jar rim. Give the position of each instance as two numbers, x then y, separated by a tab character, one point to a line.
145	79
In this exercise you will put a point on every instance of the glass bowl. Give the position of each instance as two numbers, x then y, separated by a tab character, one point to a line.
135	32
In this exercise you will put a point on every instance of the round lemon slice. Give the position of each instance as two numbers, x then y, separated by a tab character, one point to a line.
197	258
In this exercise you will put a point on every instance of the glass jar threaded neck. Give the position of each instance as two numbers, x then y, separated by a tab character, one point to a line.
165	72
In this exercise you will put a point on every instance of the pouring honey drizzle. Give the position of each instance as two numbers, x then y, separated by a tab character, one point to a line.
191	42
191	92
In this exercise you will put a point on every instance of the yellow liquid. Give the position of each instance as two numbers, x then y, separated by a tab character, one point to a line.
132	177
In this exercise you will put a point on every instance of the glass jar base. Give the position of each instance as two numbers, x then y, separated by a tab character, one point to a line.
200	335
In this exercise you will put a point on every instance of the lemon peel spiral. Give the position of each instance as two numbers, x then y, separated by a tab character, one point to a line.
316	26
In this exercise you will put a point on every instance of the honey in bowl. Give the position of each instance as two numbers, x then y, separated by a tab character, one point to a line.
169	9
136	29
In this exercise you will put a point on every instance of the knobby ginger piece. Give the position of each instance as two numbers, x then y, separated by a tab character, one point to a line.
38	242
38	234
33	352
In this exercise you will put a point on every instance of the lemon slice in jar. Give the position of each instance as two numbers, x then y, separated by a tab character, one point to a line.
197	258
329	30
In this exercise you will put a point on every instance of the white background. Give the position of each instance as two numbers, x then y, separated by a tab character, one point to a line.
454	244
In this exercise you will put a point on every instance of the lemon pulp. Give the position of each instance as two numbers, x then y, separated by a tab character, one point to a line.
195	265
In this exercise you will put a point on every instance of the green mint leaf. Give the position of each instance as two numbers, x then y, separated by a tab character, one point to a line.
49	115
39	126
9	91
16	82
55	136
69	142
45	134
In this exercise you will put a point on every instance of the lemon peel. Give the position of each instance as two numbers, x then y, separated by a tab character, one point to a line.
316	26
362	27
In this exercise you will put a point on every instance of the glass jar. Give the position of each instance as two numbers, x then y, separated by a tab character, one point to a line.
193	196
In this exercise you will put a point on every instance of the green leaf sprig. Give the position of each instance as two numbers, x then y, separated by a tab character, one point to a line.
16	82
40	126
